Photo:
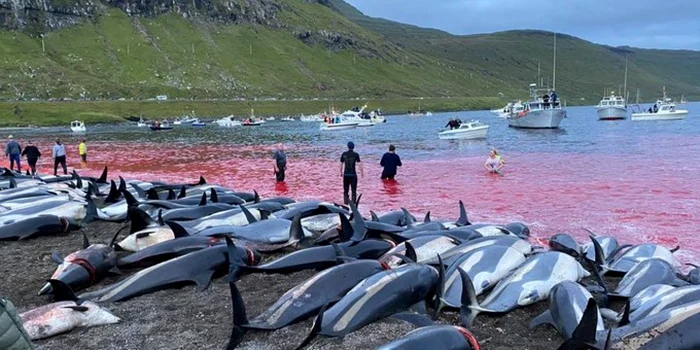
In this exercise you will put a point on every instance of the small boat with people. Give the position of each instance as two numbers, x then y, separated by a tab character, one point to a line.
198	124
177	121
141	123
612	107
252	122
227	122
77	126
287	119
158	126
359	116
505	111
541	112
337	122
663	109
470	130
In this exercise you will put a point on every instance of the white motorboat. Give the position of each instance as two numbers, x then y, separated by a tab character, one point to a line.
470	130
376	117
227	122
663	109
536	114
187	119
612	107
357	116
342	125
312	118
506	111
287	119
177	121
197	123
270	118
141	123
77	126
683	100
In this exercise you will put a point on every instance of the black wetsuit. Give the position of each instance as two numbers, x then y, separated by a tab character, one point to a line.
390	161
33	155
350	158
281	160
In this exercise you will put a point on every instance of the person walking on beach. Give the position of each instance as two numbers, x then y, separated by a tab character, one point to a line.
390	161
32	153
280	162
494	163
59	157
82	150
348	161
13	151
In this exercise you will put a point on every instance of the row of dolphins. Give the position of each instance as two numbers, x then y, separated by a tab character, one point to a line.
389	265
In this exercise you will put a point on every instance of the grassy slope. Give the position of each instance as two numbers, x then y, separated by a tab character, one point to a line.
511	58
61	113
119	56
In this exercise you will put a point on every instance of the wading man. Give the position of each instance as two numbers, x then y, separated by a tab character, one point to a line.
280	162
32	153
390	161
12	151
348	161
59	157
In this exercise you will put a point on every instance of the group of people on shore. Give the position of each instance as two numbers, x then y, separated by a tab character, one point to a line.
350	163
14	152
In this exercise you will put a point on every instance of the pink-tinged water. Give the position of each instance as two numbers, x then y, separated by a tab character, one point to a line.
639	189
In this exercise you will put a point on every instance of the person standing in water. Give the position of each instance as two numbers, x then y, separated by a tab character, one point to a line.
32	153
13	151
59	157
494	163
280	162
390	161
82	150
348	161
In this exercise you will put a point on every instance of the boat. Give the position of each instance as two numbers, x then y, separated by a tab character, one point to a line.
342	125
270	118
161	126
682	101
177	121
357	115
470	130
506	110
197	123
612	107
536	113
312	118
287	119
227	122
419	114
187	119
141	123
252	122
663	109
377	117
77	126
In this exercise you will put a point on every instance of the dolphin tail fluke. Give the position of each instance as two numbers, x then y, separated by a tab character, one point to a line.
171	195
600	263
91	212
346	231
113	194
178	230
584	336
239	317
122	184
470	306
543	318
360	229
61	291
213	197
625	320
103	177
410	252
440	288
248	215
296	232
130	199
315	329
463	219
139	219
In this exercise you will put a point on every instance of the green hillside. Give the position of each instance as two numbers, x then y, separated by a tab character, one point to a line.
584	69
300	49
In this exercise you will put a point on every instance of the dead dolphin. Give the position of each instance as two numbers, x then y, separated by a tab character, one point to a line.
437	337
426	247
644	274
42	225
567	303
648	293
451	255
528	284
639	253
563	242
84	267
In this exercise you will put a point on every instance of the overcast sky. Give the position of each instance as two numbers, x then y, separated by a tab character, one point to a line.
663	24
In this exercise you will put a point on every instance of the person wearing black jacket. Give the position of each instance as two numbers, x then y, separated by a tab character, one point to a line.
32	153
348	160
390	161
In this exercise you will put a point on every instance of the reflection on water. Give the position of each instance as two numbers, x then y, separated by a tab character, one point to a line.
635	180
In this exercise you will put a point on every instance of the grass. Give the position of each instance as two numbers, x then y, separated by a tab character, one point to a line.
92	112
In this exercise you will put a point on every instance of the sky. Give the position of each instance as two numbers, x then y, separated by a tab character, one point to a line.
662	24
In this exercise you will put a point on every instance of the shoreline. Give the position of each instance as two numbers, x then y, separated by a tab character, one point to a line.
60	113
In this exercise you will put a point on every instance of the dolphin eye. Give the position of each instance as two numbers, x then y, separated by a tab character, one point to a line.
485	284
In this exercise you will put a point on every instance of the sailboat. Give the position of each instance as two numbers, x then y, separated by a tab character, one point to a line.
538	113
613	107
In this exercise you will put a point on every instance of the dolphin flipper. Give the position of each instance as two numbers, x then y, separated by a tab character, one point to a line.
543	318
315	329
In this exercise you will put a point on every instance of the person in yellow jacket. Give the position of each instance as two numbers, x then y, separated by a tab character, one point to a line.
82	150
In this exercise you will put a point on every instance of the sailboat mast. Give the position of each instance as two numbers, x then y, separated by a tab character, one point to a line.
554	74
625	92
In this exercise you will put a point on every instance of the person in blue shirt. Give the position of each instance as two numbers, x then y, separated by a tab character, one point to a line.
13	151
390	161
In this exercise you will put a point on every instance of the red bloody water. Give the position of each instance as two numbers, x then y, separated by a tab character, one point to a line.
645	192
